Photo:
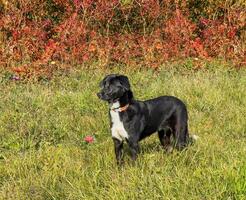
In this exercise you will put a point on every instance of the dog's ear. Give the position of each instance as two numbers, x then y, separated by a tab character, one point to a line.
124	82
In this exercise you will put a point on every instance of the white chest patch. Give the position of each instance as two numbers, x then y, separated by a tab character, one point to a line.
118	131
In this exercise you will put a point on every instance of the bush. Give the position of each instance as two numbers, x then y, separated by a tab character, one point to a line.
44	35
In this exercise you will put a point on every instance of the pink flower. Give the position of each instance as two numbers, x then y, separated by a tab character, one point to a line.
89	139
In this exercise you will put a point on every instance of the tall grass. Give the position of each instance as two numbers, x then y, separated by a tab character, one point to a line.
43	155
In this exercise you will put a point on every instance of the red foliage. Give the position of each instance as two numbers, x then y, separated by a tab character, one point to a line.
221	37
145	32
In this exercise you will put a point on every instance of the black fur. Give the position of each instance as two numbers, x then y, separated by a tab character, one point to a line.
166	115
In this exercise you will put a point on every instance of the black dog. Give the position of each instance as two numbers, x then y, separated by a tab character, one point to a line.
133	120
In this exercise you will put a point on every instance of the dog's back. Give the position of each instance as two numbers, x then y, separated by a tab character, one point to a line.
162	113
165	107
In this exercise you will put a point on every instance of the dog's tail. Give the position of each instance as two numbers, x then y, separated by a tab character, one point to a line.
193	138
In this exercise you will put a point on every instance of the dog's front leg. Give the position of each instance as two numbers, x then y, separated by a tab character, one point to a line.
118	148
134	149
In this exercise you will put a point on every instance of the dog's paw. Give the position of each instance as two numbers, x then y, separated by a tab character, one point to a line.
194	137
169	149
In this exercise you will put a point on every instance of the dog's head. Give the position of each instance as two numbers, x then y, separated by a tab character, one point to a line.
113	87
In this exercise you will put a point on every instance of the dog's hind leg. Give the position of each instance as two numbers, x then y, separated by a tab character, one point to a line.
165	139
181	136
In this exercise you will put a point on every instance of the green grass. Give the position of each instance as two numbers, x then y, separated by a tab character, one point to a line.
43	156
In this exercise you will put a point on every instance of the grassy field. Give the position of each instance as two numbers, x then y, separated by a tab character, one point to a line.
43	124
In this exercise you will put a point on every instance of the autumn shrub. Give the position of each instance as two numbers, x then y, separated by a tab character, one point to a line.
43	35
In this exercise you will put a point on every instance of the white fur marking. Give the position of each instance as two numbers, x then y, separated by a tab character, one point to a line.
118	131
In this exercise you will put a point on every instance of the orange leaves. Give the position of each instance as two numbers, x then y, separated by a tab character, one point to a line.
159	46
199	48
92	47
146	32
19	70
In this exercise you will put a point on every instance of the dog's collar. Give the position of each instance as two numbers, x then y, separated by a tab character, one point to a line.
121	109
